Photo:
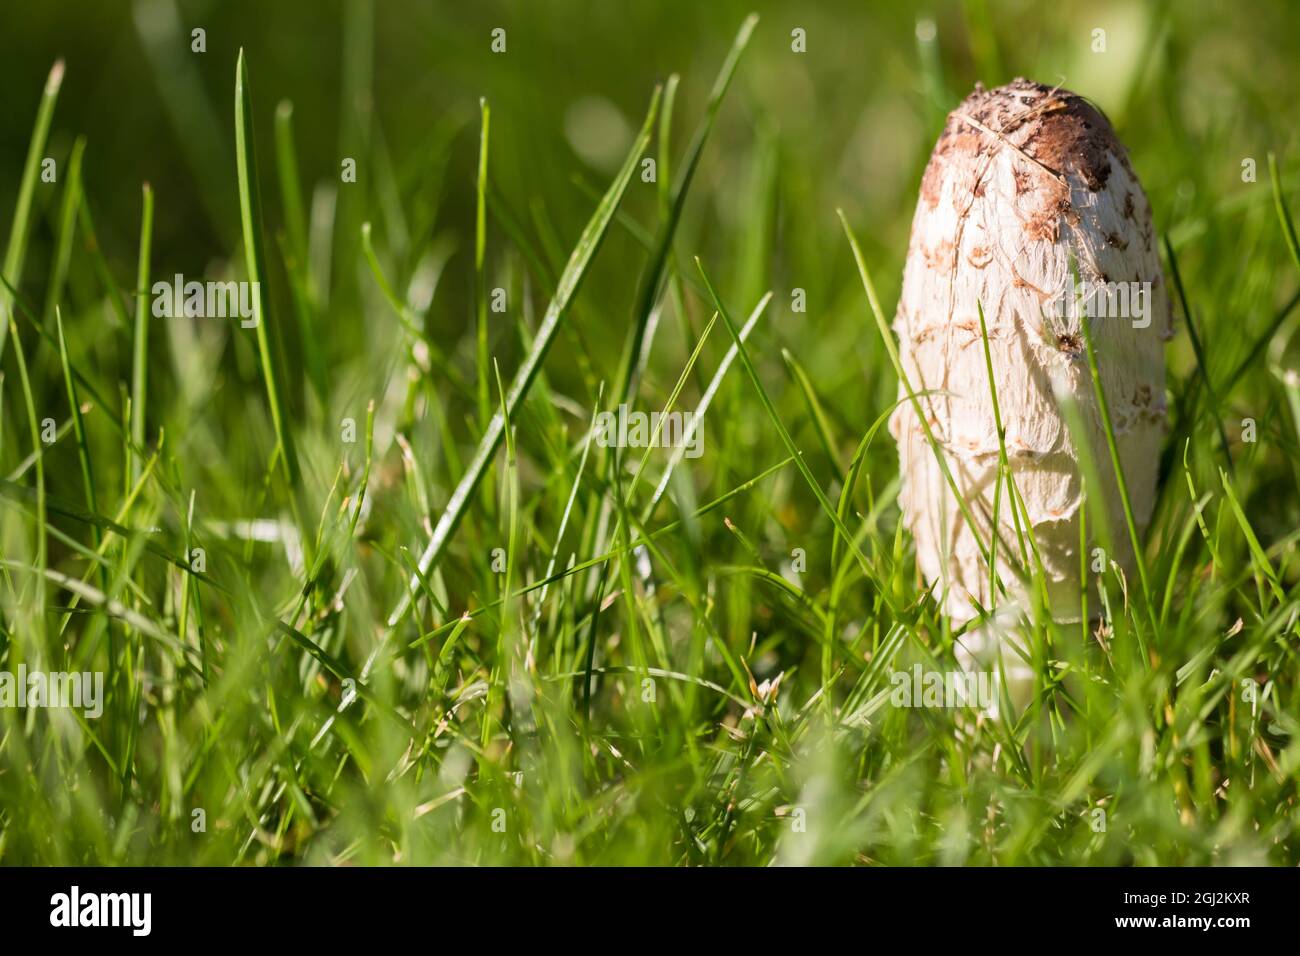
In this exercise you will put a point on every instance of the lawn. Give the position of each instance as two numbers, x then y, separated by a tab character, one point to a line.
327	328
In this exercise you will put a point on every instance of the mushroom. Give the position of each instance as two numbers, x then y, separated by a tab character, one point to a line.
1030	210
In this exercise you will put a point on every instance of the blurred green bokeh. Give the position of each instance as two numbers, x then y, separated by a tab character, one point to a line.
1192	87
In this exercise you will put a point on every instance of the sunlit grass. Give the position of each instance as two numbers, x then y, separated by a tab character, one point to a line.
365	589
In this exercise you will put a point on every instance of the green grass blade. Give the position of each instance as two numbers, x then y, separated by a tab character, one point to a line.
480	277
1257	552
1283	213
821	424
79	427
653	278
140	340
888	338
38	601
250	212
286	161
294	247
786	440
67	232
16	251
570	282
1199	351
703	406
1108	427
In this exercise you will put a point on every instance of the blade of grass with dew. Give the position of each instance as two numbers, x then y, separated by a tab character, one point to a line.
665	201
190	593
664	193
570	282
1096	504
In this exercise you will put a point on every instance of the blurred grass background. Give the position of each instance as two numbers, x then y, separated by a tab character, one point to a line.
1192	88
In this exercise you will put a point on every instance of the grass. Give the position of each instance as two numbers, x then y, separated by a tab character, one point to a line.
16	251
365	589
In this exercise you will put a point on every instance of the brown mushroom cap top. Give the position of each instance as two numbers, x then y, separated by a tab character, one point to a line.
1058	129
